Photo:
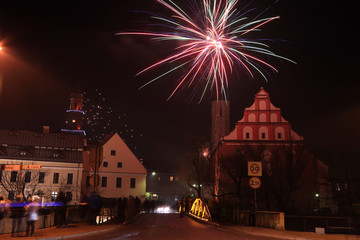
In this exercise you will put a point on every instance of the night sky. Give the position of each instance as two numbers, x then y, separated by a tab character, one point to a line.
55	48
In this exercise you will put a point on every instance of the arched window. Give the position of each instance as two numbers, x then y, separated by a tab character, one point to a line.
262	117
274	117
262	105
247	133
252	117
263	133
279	133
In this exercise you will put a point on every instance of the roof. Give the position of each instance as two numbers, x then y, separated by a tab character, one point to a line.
38	146
27	138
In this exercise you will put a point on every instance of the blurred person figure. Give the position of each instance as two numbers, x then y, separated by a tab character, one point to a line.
94	207
32	215
60	211
2	207
17	212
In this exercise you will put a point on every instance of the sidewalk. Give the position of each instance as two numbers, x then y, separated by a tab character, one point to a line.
73	230
285	234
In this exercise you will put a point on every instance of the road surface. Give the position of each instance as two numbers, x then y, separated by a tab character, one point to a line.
169	227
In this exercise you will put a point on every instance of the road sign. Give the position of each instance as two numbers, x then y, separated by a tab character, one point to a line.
255	182
254	169
31	166
17	167
12	167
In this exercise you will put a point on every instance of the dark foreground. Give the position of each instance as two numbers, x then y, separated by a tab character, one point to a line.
169	226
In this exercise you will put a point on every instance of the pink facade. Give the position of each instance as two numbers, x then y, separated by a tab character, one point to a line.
262	121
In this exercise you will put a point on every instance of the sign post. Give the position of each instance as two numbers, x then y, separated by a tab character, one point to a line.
255	172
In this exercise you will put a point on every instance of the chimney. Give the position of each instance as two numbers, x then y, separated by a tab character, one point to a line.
46	129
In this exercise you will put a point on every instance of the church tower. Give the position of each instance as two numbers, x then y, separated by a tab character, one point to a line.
74	115
220	121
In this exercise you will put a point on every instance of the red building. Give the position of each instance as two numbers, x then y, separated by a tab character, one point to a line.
262	121
292	178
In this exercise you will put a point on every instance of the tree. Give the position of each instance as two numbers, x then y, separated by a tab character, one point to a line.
196	171
26	184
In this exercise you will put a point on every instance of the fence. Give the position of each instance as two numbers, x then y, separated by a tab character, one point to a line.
330	224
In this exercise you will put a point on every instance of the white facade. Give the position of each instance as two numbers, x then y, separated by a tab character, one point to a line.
121	174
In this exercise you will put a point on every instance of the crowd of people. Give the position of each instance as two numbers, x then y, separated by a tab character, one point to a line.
21	209
17	210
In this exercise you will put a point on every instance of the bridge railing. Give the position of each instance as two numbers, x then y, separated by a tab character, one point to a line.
200	210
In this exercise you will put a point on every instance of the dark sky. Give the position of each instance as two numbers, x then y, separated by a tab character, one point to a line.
54	48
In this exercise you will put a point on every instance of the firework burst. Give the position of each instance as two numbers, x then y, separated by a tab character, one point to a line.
212	36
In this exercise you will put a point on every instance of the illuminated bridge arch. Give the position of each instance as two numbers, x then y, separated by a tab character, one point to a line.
200	210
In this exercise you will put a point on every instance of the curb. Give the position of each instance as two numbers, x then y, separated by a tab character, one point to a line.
121	225
81	234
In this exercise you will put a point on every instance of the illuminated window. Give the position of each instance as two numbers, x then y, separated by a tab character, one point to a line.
73	120
54	196
171	178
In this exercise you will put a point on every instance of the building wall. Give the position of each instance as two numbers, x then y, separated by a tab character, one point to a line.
119	162
264	135
49	187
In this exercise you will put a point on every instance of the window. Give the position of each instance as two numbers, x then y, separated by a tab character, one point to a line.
118	182
88	181
27	177
171	178
70	178
13	176
104	181
41	177
132	182
279	135
247	135
54	195
105	164
113	152
11	195
56	178
119	164
68	196
263	135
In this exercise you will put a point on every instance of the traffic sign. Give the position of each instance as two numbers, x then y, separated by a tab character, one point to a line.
254	169
16	167
12	167
31	166
255	182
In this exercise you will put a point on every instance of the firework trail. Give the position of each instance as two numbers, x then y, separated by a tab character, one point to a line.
212	36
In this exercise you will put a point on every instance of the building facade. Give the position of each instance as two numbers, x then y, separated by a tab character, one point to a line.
113	171
292	178
41	163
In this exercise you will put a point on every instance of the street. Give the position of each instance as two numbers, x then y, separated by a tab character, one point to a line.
169	226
